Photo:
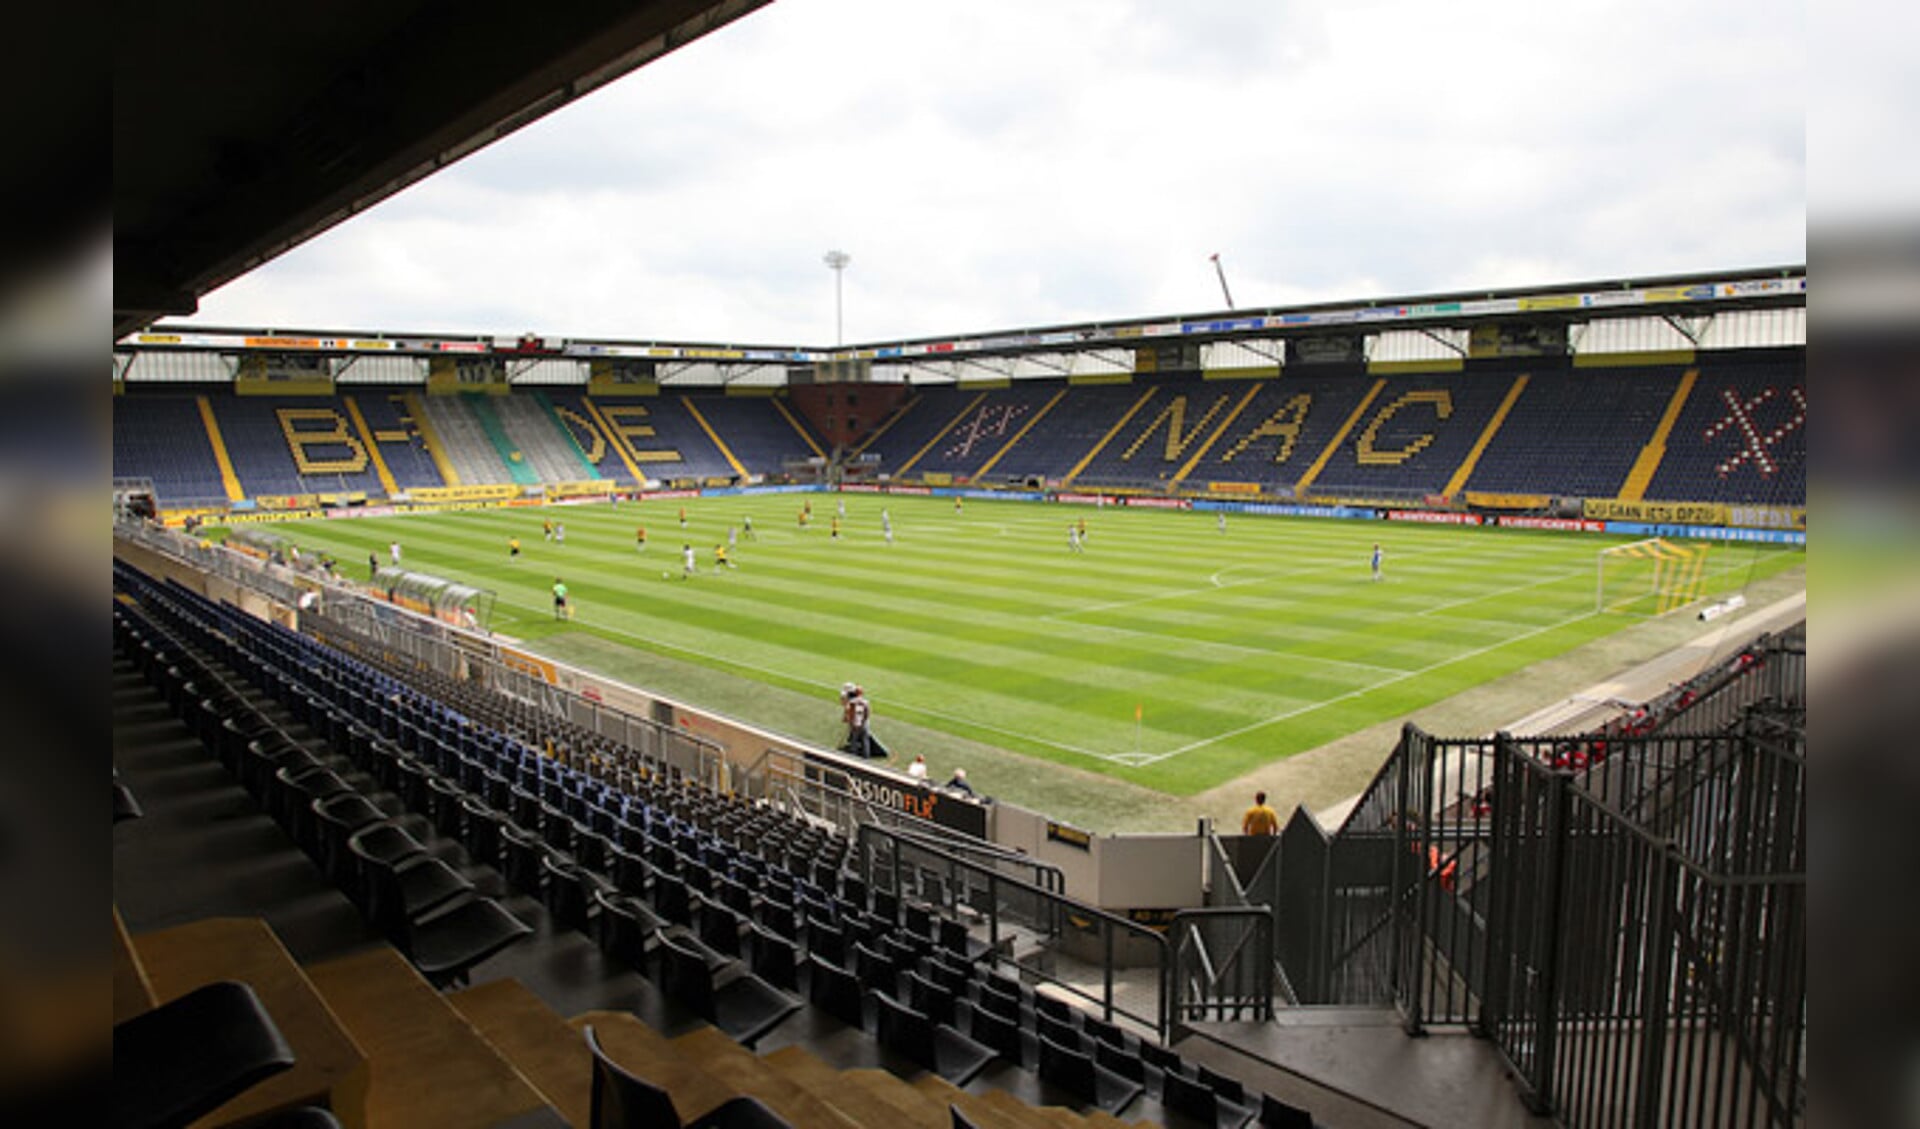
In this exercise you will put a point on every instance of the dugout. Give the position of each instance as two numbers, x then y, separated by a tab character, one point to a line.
448	601
262	543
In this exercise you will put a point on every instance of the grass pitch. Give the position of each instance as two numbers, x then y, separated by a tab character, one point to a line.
1170	653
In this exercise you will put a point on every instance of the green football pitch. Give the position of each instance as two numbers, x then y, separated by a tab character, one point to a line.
1171	653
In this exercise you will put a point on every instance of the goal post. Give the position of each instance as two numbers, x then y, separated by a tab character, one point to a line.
1650	577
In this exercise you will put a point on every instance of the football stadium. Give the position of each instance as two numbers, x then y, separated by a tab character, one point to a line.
1376	712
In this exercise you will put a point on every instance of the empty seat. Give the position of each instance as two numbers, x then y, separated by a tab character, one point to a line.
835	991
620	1099
940	1005
956	940
191	1055
743	1006
936	1046
569	893
1276	1114
446	946
626	928
408	888
1198	1101
1000	1033
1080	1076
775	959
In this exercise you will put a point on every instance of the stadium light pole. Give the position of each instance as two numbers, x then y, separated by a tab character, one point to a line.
837	261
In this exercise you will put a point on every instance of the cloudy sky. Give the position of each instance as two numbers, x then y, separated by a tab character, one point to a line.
1001	163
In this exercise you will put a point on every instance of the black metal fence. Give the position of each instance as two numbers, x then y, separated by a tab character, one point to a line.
1631	933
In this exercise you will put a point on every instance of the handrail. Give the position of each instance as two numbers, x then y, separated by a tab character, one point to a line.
1055	904
1216	968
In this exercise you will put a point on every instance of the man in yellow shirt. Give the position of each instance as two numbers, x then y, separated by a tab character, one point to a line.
1260	819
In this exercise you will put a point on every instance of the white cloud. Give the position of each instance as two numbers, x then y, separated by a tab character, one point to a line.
997	164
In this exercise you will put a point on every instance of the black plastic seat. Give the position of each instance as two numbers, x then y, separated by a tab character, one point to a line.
673	899
720	927
955	939
1276	1114
835	991
938	1047
744	1006
446	946
940	1005
627	928
1198	1101
775	959
411	887
191	1055
1228	1088
1060	1032
875	970
1080	1076
337	819
569	893
621	1099
522	859
1000	1033
1122	1062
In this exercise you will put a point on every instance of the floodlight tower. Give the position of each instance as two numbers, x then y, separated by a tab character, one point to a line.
837	262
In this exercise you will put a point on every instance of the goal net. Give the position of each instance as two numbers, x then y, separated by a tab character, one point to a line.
1650	577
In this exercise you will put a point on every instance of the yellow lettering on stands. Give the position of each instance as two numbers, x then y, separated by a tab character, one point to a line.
628	422
1174	416
1285	423
1370	453
335	434
592	443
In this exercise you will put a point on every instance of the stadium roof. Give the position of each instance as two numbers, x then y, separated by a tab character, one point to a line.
1667	296
242	129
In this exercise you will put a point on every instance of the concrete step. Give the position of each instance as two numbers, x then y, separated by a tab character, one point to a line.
536	1039
426	1064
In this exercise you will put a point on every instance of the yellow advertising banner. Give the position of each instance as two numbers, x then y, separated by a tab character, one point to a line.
1657	513
579	489
1233	487
482	493
937	478
529	664
1508	501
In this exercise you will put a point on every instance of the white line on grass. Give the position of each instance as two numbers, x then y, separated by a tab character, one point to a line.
652	643
1307	709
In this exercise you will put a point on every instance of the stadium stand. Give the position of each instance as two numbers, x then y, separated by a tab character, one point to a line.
986	429
398	438
162	438
1278	435
759	432
1741	437
657	435
1412	436
294	445
1575	433
917	424
454	423
1058	440
377	737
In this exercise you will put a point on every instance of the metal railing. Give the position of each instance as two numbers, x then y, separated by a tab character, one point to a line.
1222	965
1630	934
1100	959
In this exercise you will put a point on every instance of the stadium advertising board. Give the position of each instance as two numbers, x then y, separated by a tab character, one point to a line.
1158	503
1233	487
1659	513
1086	499
1708	533
1071	836
909	797
529	664
1508	501
1433	517
1767	517
1563	524
483	493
